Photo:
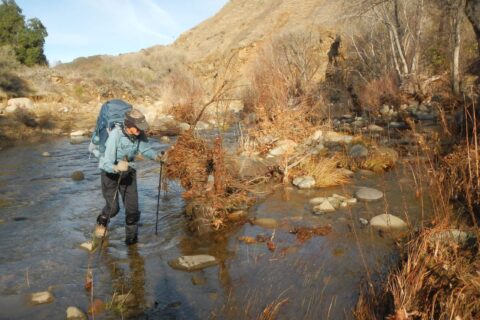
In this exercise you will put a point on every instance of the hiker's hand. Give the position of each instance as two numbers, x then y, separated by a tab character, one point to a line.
160	157
122	166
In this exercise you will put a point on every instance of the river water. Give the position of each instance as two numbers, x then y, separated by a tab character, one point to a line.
45	216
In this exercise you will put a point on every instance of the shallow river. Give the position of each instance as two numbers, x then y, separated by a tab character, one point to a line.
45	216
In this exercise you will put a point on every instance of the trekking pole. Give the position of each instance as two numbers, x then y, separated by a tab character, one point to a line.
158	197
120	175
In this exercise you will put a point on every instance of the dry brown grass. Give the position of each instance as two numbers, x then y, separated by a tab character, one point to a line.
208	184
384	90
324	170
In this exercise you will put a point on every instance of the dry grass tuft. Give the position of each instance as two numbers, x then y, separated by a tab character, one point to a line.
323	170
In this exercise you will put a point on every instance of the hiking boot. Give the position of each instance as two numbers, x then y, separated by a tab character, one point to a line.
100	231
131	234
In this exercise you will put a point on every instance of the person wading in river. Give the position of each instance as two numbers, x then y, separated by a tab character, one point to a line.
118	173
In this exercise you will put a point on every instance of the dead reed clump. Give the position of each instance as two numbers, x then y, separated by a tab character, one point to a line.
324	170
460	178
384	90
210	188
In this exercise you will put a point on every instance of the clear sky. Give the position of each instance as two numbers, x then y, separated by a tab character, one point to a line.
78	28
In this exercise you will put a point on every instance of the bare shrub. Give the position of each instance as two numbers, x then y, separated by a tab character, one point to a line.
184	94
384	90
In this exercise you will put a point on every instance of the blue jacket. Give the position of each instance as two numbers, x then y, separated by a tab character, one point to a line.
119	145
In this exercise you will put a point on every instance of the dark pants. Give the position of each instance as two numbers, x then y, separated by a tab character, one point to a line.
128	192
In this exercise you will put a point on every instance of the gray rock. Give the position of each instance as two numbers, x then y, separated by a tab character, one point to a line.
41	297
335	137
17	104
317	200
77	176
183	126
324	207
202	125
282	147
385	110
357	151
192	263
335	202
387	222
73	313
46	154
363	221
351	201
368	194
304	182
346	172
374	128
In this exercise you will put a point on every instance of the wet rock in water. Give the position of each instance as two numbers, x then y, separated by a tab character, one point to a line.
343	204
324	207
77	176
266	223
398	125
192	263
339	197
368	194
387	222
335	202
46	154
351	201
237	216
41	297
357	151
73	313
366	173
374	128
87	246
97	307
317	200
304	182
363	221
335	137
126	299
198	280
346	172
165	139
183	126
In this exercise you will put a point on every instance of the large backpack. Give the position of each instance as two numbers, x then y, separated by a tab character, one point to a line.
111	114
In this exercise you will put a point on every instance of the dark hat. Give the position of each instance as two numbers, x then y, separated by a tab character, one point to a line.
135	118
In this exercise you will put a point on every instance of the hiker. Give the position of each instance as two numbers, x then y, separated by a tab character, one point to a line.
118	171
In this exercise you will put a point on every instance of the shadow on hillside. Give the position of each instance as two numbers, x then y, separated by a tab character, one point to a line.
14	86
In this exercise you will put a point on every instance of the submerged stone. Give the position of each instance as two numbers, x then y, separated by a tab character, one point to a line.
73	313
266	223
77	176
41	297
368	194
46	154
387	222
192	263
